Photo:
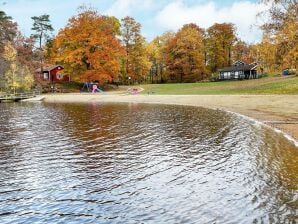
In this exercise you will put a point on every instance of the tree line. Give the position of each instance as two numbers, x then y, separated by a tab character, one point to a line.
98	47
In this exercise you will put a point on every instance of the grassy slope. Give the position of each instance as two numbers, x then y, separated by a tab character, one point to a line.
269	85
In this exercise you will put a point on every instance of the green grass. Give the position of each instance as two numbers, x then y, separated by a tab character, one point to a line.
268	85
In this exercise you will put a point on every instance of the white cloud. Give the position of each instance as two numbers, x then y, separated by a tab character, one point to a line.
60	11
122	8
156	16
242	13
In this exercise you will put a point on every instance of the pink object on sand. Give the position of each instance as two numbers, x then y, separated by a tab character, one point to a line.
135	91
94	87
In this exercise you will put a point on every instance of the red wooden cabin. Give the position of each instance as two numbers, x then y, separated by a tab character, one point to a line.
53	74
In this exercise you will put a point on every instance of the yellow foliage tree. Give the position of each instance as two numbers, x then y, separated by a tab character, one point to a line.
266	54
155	50
287	45
10	55
281	27
16	76
136	61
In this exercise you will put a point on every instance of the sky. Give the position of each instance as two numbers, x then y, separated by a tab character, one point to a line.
155	16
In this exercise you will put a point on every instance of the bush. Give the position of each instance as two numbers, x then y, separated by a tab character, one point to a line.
293	71
214	78
264	75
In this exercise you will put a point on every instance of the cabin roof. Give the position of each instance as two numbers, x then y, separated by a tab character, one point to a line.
53	67
50	68
238	63
245	67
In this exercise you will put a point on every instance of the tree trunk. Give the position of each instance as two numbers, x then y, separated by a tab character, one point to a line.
161	73
41	54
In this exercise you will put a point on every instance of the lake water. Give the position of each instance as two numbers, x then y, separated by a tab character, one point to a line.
135	163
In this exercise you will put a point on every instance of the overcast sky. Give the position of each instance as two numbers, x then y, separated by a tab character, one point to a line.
156	16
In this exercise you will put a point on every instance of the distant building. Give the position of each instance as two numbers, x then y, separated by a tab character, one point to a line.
53	74
239	70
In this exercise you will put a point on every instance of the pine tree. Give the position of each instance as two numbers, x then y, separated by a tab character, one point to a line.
42	27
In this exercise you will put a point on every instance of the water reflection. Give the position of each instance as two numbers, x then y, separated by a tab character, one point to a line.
103	163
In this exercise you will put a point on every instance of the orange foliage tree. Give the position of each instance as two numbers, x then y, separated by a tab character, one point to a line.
243	52
88	47
185	59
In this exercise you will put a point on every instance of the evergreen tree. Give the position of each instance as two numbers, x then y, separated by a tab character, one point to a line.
8	29
42	26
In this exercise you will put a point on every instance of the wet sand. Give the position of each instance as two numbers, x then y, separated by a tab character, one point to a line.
277	111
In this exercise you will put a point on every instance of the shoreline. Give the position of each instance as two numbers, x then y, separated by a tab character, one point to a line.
279	112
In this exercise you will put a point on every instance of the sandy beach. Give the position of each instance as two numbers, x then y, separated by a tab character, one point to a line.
277	111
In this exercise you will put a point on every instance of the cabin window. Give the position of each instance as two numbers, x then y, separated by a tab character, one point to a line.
222	75
236	75
45	75
232	75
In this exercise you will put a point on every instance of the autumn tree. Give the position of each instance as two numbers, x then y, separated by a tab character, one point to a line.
10	33
287	45
280	51
156	49
266	51
10	55
160	49
220	40
185	62
168	42
153	50
7	33
280	12
88	47
281	27
25	48
16	75
136	62
243	52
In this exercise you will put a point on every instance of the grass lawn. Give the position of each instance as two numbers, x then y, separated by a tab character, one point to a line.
268	85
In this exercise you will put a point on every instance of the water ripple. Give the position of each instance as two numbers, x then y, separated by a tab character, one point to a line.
134	163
